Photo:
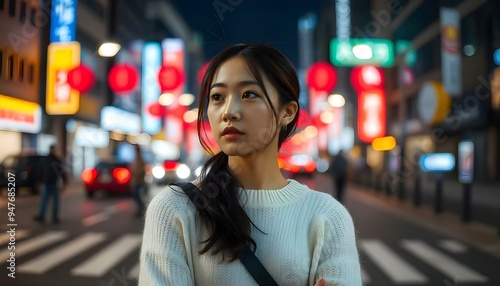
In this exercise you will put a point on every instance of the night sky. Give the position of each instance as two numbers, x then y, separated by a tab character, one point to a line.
271	22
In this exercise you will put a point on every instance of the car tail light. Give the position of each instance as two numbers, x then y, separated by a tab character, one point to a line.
88	175
169	165
122	175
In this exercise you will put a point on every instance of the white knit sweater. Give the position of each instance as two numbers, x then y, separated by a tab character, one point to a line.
309	235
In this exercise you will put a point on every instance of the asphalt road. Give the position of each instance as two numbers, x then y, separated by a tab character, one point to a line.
97	243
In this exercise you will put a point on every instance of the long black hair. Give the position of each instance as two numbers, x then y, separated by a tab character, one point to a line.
227	223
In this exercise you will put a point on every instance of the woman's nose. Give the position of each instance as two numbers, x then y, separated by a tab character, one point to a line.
232	110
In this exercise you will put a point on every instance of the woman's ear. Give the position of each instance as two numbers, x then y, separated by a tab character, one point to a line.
288	113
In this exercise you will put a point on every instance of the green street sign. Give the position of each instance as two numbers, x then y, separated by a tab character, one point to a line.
355	52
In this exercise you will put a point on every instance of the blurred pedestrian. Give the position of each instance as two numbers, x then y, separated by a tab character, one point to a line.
53	176
242	206
338	171
138	181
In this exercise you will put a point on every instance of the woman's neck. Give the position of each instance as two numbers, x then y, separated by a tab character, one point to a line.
257	172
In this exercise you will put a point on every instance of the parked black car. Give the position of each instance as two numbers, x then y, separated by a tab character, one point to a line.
27	171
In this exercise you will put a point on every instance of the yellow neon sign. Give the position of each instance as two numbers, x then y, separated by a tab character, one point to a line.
61	98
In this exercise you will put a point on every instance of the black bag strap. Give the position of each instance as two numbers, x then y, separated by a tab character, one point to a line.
247	256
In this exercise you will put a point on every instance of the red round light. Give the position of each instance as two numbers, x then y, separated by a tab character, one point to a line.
367	77
156	109
121	175
170	78
321	76
123	78
81	78
88	175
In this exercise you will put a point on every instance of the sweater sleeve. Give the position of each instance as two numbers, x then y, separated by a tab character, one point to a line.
165	250
336	247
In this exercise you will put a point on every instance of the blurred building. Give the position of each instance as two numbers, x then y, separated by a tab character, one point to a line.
424	36
473	39
20	67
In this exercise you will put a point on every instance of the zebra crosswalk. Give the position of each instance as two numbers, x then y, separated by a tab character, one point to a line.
40	253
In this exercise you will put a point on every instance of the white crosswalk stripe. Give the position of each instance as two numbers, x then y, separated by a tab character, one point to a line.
32	244
387	259
103	261
61	254
19	234
398	270
134	272
453	269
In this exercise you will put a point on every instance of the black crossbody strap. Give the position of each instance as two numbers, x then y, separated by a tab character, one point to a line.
247	257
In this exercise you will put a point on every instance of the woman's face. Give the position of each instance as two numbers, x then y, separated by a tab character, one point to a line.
240	116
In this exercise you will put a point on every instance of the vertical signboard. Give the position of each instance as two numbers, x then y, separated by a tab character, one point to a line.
451	66
465	162
173	55
150	89
63	21
61	98
371	115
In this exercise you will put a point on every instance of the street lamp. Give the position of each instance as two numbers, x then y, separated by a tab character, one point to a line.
109	49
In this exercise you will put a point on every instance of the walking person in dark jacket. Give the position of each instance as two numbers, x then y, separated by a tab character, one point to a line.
52	173
339	172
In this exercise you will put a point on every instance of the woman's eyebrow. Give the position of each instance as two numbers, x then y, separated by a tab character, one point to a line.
239	84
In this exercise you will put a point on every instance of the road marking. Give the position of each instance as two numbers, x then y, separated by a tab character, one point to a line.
19	234
97	218
43	263
33	244
102	262
134	272
452	246
454	270
392	265
104	215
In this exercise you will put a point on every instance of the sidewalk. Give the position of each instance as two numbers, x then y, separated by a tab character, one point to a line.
481	236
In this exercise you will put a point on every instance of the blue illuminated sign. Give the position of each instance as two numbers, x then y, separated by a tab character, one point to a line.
150	89
63	21
437	162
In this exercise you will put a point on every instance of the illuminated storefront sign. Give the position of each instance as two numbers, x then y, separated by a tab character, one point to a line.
371	115
115	119
150	89
61	98
63	21
91	137
465	162
355	52
20	115
437	162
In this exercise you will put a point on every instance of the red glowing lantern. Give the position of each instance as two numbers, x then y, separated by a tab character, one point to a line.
123	78
81	78
321	76
170	78
156	109
367	77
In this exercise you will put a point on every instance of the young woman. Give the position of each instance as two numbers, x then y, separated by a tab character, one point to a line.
302	237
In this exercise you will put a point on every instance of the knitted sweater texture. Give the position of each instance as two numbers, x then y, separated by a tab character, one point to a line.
307	235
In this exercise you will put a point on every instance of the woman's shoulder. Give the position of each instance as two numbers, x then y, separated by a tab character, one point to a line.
327	206
170	199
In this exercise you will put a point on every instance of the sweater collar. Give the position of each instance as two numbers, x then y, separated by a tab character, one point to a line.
272	198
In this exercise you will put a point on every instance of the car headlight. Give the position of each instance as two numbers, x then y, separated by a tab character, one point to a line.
183	171
158	172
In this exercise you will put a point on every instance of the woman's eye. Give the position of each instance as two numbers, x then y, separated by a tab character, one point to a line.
249	94
216	97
